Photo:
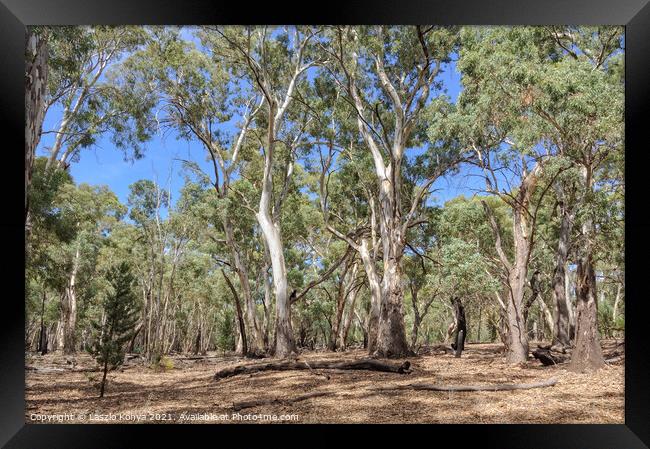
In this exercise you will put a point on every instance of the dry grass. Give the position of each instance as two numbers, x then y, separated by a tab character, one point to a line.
190	388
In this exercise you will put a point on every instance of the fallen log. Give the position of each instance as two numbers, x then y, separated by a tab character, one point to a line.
494	387
615	359
279	401
547	357
326	376
434	349
555	348
289	365
48	369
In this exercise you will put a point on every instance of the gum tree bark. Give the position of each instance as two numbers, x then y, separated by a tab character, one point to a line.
284	341
562	334
69	308
587	353
36	74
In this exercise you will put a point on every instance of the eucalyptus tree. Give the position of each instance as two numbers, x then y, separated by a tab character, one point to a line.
85	95
348	284
465	220
201	101
609	250
146	202
70	225
199	283
349	307
495	117
388	75
159	249
274	60
585	118
566	89
90	211
49	230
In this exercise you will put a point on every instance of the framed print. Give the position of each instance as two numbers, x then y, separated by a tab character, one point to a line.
373	213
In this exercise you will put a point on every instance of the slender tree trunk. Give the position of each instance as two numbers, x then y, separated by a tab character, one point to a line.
239	341
617	301
562	325
460	329
480	318
135	336
70	308
569	304
344	290
548	316
347	321
101	388
417	318
59	340
42	338
256	343
375	294
242	343
415	330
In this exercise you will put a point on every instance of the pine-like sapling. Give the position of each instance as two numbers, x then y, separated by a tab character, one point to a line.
117	326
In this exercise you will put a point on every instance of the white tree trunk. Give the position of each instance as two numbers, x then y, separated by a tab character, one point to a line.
284	341
70	307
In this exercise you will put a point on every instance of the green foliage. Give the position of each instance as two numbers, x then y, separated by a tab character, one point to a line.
82	81
226	330
162	363
552	95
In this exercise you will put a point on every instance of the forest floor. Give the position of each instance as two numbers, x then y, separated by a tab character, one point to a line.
56	391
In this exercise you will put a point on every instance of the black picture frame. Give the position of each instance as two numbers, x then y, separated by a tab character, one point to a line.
16	14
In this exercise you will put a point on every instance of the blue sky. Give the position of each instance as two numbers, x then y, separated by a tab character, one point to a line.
105	164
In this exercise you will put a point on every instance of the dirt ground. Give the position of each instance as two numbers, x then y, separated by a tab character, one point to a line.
57	391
